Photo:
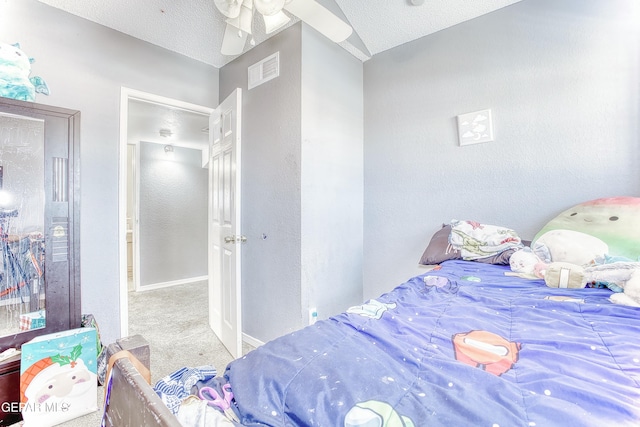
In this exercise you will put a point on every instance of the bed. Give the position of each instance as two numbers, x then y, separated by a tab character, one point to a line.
463	345
467	343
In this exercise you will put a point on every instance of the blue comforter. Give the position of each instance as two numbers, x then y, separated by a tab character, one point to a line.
465	345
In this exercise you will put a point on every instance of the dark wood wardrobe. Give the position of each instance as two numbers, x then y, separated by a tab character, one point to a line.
39	232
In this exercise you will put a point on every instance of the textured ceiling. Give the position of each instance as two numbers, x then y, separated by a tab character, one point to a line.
195	28
385	24
188	129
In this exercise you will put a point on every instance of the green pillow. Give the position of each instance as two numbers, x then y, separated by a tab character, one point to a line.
614	220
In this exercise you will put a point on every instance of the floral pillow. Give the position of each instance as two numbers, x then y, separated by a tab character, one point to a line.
439	250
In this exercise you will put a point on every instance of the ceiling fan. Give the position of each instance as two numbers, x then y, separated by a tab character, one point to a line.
239	14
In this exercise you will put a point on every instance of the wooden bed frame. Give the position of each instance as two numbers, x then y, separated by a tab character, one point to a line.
132	401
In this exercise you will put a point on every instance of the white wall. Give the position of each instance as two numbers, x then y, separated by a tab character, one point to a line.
561	79
85	65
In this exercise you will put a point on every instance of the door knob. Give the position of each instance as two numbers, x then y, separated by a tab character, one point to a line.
230	239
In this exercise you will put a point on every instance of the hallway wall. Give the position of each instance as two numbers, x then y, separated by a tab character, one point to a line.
173	215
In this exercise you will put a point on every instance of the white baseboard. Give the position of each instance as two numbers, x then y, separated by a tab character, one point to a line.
251	340
171	283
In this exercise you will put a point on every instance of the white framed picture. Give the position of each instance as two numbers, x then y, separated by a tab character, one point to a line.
474	128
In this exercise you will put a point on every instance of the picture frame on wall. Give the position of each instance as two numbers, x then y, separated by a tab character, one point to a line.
475	127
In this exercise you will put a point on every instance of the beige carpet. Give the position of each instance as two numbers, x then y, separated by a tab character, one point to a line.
174	322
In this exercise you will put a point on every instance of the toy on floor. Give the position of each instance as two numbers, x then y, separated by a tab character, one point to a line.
15	67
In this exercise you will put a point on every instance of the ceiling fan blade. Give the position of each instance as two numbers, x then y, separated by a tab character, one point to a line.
320	18
275	22
233	41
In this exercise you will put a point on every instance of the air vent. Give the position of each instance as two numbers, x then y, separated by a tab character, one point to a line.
265	70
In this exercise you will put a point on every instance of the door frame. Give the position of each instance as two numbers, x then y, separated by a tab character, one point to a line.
127	94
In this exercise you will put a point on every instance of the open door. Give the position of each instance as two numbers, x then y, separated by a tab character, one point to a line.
225	314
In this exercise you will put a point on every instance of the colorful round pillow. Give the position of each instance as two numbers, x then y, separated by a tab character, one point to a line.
614	220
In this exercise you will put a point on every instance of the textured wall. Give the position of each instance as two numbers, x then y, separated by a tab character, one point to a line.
562	81
302	182
85	65
270	188
173	214
332	176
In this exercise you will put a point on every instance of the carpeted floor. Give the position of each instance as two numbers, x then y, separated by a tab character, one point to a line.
174	321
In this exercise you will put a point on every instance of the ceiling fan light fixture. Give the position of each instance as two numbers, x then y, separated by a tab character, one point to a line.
269	7
275	22
229	8
243	21
239	28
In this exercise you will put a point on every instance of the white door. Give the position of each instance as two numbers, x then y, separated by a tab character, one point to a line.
225	316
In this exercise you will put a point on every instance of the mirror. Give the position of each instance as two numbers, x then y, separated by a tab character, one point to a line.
22	195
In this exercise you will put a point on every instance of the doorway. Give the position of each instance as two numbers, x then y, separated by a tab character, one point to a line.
155	135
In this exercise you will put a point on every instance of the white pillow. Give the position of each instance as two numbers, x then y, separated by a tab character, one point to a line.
569	246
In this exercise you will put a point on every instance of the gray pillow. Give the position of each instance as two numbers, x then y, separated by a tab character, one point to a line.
501	258
439	249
